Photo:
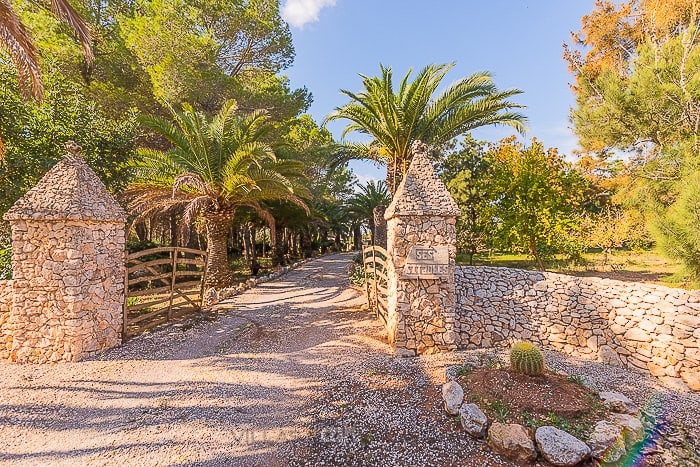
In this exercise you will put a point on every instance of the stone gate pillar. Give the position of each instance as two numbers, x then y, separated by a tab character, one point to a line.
421	241
68	267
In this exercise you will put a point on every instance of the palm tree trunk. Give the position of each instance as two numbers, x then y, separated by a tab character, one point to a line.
306	244
218	273
380	232
357	237
277	246
393	177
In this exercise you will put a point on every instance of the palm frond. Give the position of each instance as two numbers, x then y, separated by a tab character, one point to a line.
64	11
16	40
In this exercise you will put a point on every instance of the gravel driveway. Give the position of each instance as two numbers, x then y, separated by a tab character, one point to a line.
289	373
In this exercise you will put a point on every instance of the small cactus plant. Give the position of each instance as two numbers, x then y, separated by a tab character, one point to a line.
526	358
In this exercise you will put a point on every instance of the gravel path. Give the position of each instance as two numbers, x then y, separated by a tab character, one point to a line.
289	373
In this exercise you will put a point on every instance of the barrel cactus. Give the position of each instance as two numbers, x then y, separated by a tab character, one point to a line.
526	358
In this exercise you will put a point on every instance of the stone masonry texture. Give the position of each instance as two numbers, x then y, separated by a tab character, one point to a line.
421	316
68	268
633	325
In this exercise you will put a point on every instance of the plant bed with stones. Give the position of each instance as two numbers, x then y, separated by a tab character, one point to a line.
544	418
508	396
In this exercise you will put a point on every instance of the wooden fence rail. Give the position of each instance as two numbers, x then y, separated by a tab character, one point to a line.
374	259
162	284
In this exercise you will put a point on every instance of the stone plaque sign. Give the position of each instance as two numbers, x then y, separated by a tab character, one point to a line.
427	262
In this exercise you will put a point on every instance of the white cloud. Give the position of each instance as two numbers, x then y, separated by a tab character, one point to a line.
299	12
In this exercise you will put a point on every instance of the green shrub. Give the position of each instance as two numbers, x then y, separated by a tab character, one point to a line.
357	274
5	262
526	358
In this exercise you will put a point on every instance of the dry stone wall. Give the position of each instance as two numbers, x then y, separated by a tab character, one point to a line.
642	326
5	302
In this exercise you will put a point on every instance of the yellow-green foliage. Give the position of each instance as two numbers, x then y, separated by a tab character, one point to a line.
526	358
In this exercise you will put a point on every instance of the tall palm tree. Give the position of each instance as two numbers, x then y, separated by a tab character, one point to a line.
215	166
362	204
396	119
15	38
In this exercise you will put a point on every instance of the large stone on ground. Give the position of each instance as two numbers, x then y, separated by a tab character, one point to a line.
453	395
512	441
559	447
618	402
473	420
632	428
607	354
607	442
692	379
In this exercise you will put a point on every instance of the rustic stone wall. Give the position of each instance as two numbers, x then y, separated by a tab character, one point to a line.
5	303
68	268
642	326
421	312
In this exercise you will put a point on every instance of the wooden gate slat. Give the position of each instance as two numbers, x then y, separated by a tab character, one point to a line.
172	296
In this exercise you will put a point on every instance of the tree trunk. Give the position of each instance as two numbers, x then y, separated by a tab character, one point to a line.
379	226
277	246
141	231
536	254
173	230
218	273
337	242
245	231
306	244
357	236
393	176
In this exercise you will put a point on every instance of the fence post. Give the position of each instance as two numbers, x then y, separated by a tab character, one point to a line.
173	271
421	239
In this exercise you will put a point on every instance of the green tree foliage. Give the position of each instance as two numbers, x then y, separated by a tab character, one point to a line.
216	165
677	229
18	42
235	47
637	70
34	135
467	173
538	198
613	228
416	111
369	196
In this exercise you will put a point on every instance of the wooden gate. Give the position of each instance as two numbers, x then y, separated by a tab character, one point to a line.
374	259
162	284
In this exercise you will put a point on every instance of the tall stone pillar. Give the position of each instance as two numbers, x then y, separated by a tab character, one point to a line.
421	240
68	267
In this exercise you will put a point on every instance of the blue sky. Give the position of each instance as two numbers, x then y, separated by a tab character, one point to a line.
518	41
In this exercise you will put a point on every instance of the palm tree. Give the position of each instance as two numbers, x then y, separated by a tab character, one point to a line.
15	38
396	119
215	166
362	204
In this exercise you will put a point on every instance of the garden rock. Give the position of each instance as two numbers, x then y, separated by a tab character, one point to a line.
632	428
559	447
618	402
473	420
512	441
453	395
607	442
